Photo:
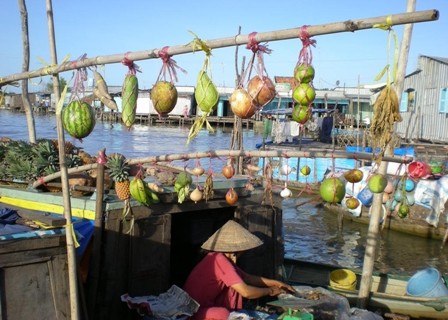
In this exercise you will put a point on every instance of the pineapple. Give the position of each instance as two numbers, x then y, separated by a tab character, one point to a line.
119	172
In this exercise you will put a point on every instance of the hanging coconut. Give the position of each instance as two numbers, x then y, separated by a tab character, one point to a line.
241	104
129	100
304	94
262	90
301	114
332	190
78	119
164	97
304	73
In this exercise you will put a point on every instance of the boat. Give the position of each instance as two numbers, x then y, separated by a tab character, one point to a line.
388	292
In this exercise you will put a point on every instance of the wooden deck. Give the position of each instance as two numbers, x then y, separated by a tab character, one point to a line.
173	120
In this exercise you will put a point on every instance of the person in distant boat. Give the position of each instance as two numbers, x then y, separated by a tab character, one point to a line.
218	284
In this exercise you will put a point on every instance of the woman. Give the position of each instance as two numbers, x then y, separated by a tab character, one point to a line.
218	284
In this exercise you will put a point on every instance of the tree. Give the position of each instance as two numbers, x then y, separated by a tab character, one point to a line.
49	85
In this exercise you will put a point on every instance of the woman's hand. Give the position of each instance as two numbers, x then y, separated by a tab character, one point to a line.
286	288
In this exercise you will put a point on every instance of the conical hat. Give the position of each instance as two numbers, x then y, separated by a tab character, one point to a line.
231	237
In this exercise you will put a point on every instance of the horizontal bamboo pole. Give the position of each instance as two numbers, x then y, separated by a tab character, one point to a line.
336	27
312	153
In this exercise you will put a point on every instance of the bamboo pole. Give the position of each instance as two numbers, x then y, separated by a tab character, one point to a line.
277	35
311	153
71	253
94	274
374	223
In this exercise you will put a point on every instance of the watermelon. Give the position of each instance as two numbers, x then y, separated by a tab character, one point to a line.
78	119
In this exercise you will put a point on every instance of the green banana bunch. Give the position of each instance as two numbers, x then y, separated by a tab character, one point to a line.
142	193
182	185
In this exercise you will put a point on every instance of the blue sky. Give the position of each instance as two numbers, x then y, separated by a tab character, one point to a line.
101	27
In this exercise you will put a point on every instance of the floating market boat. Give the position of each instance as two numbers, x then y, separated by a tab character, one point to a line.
388	292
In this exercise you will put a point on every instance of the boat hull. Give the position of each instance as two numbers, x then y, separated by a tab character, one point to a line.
388	292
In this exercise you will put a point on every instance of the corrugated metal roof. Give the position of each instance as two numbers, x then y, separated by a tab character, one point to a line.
439	59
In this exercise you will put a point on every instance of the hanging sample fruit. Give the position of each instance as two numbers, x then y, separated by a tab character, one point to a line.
129	93
304	92
101	91
164	94
205	93
260	88
386	107
78	117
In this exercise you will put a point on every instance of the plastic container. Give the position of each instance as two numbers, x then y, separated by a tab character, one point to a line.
343	279
419	169
365	196
427	283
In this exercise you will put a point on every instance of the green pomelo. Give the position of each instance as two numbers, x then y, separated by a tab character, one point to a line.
332	190
377	183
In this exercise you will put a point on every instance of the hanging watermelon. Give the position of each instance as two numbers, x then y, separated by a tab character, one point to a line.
78	119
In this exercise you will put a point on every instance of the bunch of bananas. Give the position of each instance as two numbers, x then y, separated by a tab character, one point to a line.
142	193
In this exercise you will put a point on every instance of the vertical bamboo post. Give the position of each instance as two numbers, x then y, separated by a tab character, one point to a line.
71	253
374	225
97	236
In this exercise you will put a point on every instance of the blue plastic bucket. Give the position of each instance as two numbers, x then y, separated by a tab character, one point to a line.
365	196
427	283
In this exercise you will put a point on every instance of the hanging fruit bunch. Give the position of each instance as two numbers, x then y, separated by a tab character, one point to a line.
182	185
119	171
208	192
129	93
260	88
101	91
403	198
197	194
385	109
78	117
303	92
164	94
140	190
205	93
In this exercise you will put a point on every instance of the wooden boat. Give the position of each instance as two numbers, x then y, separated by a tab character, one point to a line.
388	292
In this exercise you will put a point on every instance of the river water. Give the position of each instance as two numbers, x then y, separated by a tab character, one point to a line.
311	232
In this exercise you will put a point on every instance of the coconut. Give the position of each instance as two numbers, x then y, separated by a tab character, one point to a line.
164	97
304	94
304	73
262	90
241	104
301	114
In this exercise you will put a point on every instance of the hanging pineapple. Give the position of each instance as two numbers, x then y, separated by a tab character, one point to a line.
119	172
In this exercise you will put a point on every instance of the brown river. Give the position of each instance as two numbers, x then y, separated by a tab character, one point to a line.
311	233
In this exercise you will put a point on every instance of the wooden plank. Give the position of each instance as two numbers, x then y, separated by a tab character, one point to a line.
44	217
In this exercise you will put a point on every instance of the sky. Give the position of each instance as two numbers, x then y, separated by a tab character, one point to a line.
106	27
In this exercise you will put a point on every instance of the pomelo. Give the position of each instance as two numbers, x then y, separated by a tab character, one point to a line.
332	190
377	183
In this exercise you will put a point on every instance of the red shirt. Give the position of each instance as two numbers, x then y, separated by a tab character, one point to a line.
209	283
